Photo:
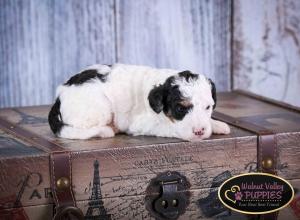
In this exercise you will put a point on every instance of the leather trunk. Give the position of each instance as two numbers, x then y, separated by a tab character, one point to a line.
120	177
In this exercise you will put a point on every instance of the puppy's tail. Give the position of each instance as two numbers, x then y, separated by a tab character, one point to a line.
54	118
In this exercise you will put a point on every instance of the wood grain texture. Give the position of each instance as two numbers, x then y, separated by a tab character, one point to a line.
177	34
24	52
266	50
83	35
42	43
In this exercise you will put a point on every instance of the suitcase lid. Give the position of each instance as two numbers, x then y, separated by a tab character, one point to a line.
34	120
264	112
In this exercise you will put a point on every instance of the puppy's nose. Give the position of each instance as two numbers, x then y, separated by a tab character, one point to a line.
199	131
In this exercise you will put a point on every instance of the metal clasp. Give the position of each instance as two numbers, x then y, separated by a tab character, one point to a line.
168	195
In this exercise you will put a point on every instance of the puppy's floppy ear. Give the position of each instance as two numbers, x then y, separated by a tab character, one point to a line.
155	98
213	92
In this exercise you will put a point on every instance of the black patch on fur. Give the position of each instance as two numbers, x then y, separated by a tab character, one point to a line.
54	117
85	76
188	75
167	98
155	98
213	92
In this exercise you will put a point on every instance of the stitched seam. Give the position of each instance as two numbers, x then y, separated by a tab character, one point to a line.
35	143
274	151
54	186
71	191
260	154
275	154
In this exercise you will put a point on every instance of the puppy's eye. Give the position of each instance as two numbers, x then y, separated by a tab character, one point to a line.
207	107
180	108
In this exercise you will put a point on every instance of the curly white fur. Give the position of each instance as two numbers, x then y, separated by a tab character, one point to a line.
96	108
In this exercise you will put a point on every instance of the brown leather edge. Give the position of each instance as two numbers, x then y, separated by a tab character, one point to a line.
61	167
28	136
267	144
268	100
266	147
240	123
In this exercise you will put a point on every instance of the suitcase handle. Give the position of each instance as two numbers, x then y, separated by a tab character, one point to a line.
69	213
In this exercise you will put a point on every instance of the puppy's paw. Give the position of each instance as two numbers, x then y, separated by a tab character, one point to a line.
106	132
219	127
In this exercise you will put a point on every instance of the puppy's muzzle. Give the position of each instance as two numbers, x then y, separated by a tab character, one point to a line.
199	131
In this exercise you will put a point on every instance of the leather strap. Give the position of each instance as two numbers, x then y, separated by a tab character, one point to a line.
240	123
61	184
267	145
60	163
266	148
28	136
267	153
60	170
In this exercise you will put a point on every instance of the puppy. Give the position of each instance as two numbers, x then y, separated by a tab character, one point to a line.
138	100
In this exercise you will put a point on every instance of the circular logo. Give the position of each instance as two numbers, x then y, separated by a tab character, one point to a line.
256	193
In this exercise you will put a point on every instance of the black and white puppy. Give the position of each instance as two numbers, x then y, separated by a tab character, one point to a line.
138	100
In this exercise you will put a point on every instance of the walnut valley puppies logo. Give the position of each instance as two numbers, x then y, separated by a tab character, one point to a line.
256	193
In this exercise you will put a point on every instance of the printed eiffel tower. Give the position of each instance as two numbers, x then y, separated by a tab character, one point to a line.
96	208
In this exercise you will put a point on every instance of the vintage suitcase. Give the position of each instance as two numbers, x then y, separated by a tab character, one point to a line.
129	177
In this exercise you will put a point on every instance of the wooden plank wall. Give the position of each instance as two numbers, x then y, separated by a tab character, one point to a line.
43	42
266	48
179	34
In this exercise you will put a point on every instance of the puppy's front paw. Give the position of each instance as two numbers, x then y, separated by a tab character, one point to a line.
219	127
106	132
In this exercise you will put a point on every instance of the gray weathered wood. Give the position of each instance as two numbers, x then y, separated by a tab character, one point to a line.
179	34
84	35
24	52
43	42
266	55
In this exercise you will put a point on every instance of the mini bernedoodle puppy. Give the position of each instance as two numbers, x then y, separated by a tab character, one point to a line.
138	100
